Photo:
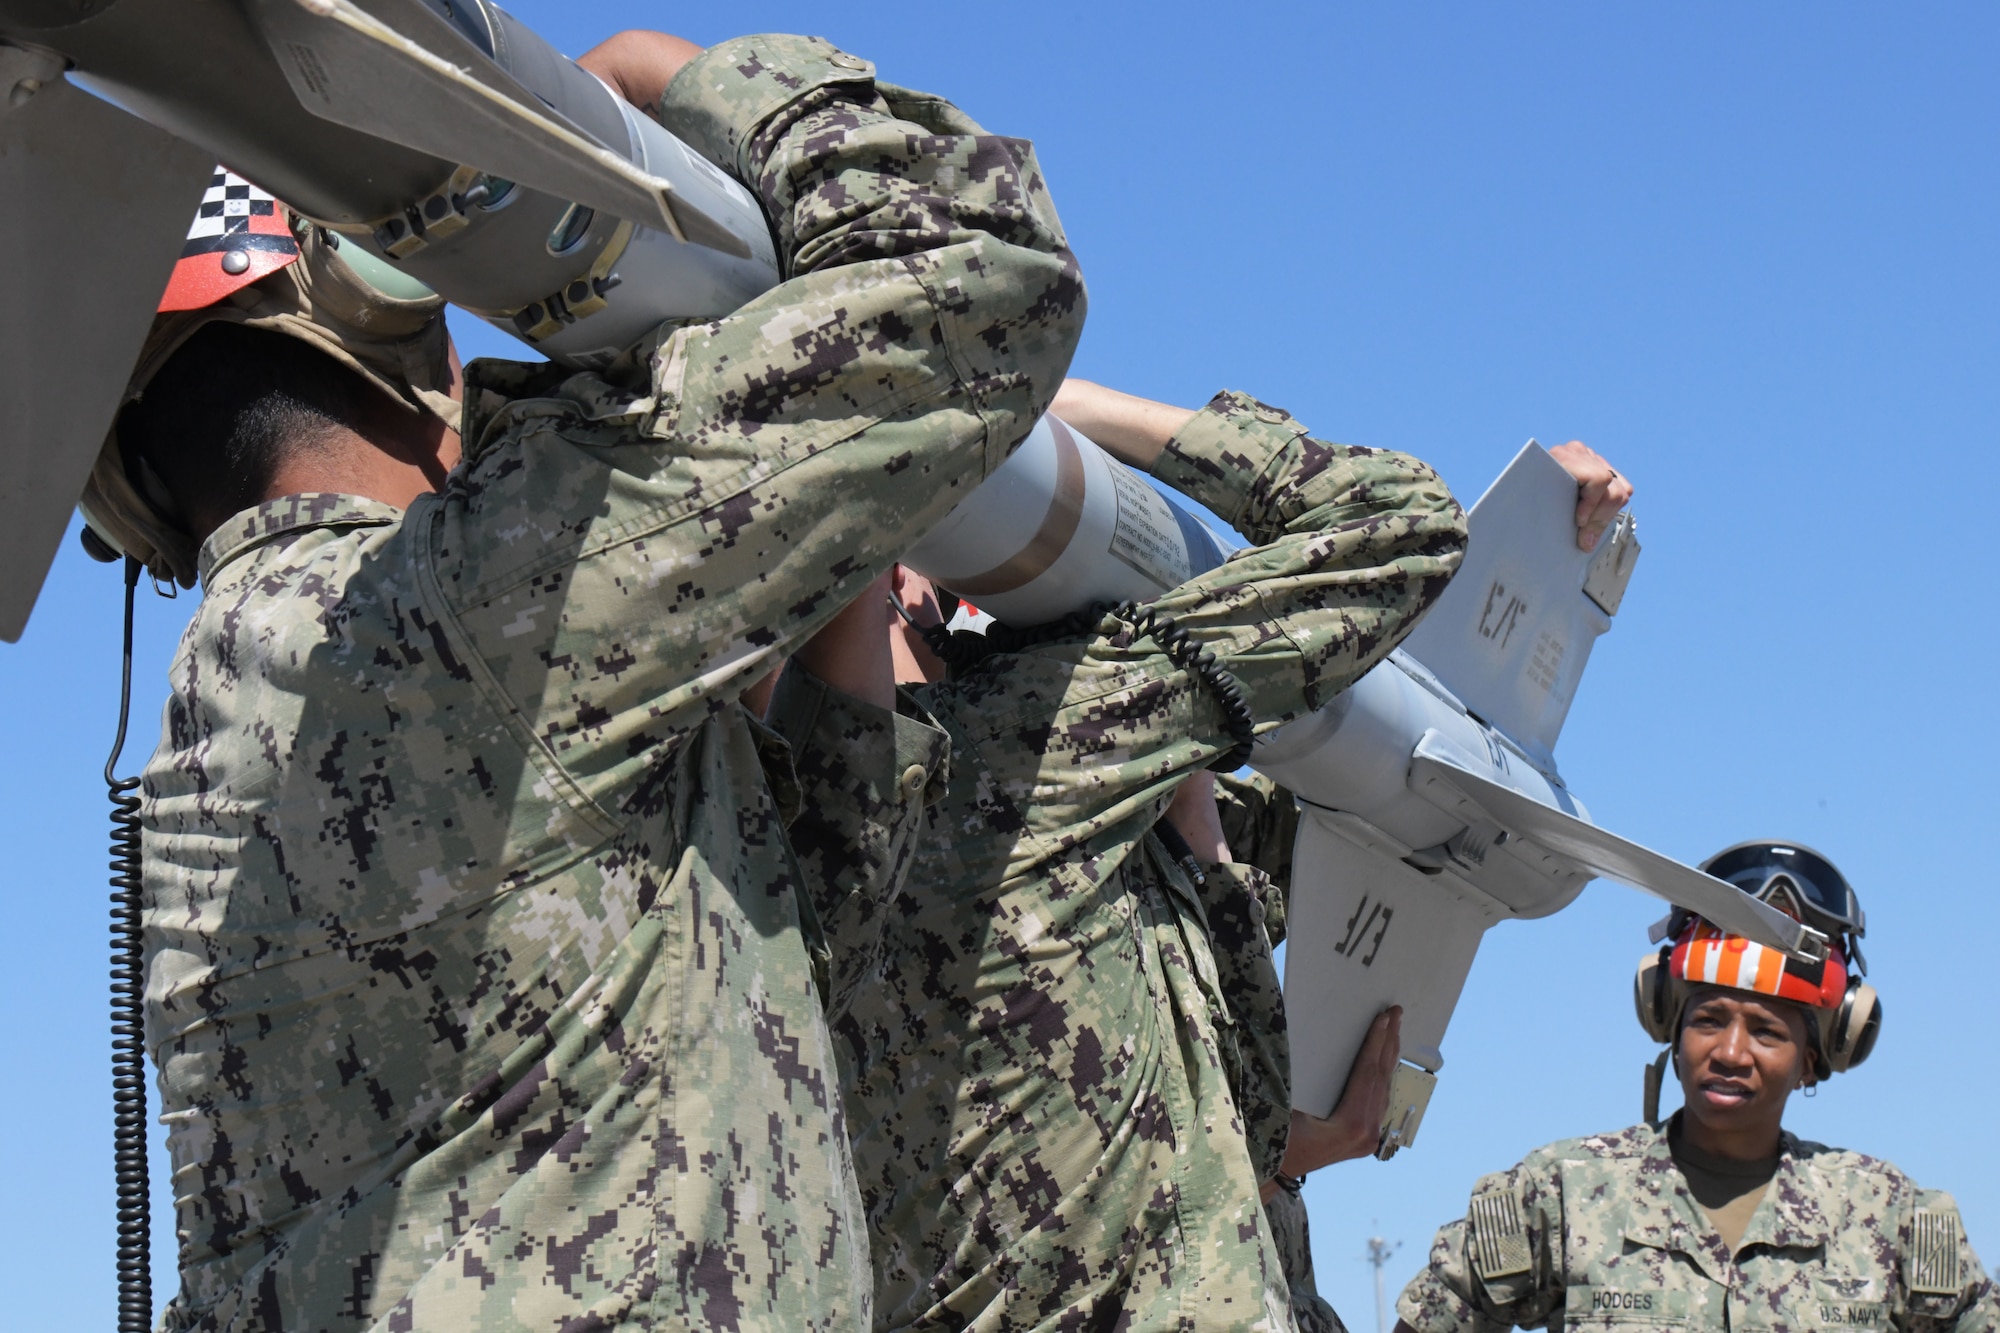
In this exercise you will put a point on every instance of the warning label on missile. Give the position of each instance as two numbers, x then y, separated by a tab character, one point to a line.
1147	536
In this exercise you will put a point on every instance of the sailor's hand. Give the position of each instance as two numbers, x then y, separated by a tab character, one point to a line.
639	64
1601	491
1355	1127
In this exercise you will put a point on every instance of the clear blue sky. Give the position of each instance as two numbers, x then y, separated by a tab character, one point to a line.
1749	252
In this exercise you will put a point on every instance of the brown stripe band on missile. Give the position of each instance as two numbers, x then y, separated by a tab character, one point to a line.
1051	539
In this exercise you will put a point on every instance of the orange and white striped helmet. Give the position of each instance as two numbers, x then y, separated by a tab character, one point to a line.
1706	955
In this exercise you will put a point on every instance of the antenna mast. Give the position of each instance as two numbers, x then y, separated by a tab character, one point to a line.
1379	1251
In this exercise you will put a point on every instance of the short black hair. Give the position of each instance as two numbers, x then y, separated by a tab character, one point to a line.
231	405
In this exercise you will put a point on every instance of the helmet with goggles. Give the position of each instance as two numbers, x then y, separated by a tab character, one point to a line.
1844	1012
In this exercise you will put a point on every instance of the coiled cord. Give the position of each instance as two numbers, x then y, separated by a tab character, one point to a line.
965	649
128	1031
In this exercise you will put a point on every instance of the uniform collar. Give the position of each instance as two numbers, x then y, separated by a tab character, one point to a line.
1663	1212
1790	1215
251	528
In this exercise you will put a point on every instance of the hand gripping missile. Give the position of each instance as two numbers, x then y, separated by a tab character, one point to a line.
441	134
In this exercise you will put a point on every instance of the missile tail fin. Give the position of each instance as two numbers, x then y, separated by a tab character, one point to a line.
94	207
1513	632
1366	930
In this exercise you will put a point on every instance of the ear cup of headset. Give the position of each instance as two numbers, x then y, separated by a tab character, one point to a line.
1651	990
1853	1028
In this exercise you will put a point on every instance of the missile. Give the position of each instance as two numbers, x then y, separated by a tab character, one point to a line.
1431	804
444	136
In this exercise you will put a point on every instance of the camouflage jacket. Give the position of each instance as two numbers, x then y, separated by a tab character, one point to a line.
1246	903
1601	1235
477	984
1042	1128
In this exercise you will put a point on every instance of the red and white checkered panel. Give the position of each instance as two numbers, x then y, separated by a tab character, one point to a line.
239	234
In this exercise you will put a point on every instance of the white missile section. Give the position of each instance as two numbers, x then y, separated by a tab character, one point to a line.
1431	804
94	206
397	70
1060	525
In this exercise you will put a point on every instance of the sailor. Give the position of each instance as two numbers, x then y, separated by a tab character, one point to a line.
1240	829
1032	1070
481	986
1719	1219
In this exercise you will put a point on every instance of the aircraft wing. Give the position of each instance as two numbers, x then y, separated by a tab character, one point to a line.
1600	852
94	207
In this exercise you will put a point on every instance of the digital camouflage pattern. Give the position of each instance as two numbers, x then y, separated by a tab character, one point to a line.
478	985
1260	822
1256	1051
1601	1235
1042	1125
1246	906
1287	1212
863	774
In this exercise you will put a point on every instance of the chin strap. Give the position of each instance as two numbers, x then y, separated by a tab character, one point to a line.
1656	1076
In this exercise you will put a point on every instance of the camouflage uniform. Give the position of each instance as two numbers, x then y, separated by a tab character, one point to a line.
1042	1125
478	986
1246	903
1601	1235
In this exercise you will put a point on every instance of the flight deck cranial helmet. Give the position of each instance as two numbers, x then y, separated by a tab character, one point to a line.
1845	1012
250	260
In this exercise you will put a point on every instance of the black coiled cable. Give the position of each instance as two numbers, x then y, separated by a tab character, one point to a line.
128	1032
964	650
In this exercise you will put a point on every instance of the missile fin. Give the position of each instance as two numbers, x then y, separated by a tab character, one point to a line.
396	70
94	207
1599	852
1365	931
1511	635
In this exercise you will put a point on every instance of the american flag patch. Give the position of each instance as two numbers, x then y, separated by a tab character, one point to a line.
1499	1240
1934	1252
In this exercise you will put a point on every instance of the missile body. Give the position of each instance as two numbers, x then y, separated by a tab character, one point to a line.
1431	806
1059	526
246	81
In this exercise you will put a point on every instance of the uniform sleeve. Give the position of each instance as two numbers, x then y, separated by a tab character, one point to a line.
864	776
1352	546
1260	821
1092	730
1497	1267
1257	1050
1948	1290
624	551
